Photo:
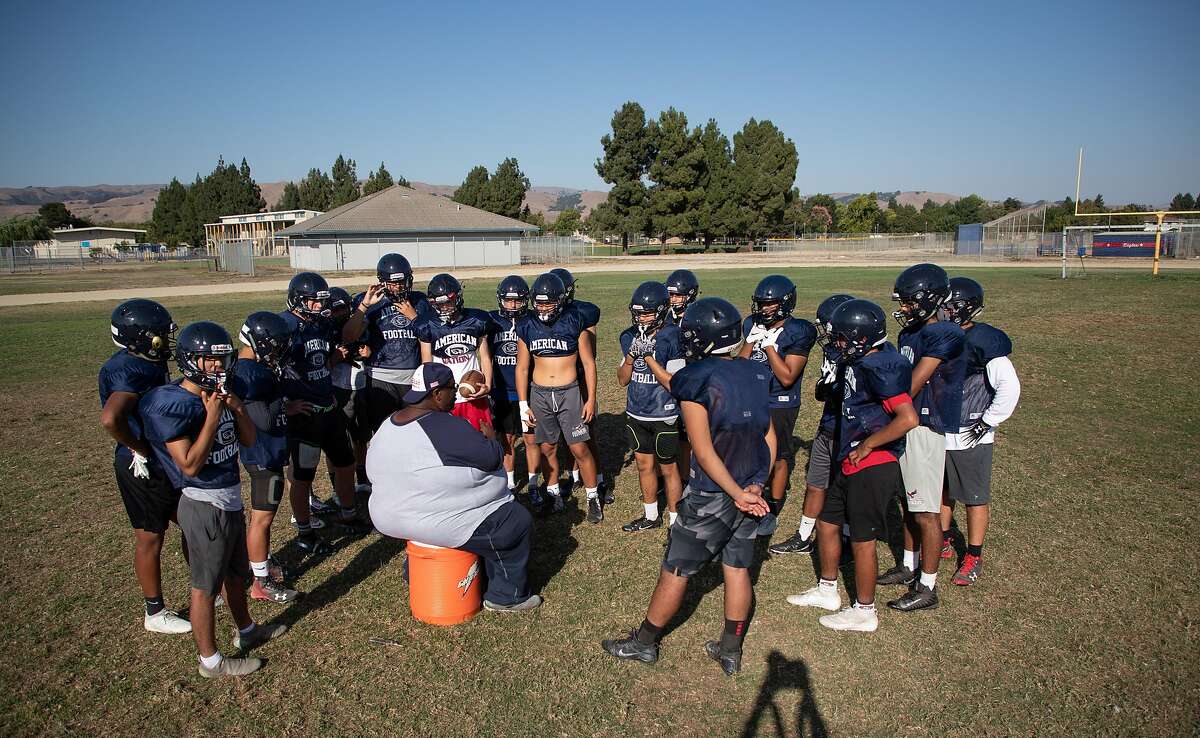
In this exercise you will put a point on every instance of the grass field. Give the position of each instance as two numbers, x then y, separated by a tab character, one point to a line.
1084	622
133	275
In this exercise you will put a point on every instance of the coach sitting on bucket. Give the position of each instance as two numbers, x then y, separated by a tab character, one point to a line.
440	482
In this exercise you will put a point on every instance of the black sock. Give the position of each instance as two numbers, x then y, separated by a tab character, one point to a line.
975	550
361	474
648	633
776	506
155	605
734	635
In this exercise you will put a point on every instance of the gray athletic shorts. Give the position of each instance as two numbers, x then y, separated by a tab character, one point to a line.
709	525
923	467
559	413
820	461
969	475
216	542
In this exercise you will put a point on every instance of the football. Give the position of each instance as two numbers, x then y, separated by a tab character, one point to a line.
470	381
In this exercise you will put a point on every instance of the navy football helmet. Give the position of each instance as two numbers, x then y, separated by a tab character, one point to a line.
825	313
144	328
774	289
857	327
682	283
650	298
965	301
711	326
199	341
568	281
923	288
268	335
549	297
512	287
395	274
304	288
445	295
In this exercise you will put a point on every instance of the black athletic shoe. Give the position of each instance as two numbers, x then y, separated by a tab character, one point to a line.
354	526
313	545
631	649
606	492
794	545
898	574
730	661
595	510
919	597
642	524
322	507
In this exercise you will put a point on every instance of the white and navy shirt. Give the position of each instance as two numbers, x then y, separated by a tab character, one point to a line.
645	398
456	345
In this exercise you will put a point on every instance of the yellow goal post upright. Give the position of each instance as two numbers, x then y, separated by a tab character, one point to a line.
1157	214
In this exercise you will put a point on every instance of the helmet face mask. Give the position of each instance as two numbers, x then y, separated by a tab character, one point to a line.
710	327
512	297
445	295
549	297
921	289
856	328
965	301
268	336
682	290
308	296
648	306
395	274
205	354
774	299
568	282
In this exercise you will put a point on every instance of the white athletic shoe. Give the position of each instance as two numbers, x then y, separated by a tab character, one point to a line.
852	618
167	621
314	523
826	597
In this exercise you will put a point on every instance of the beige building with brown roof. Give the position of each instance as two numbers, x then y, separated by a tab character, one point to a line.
431	231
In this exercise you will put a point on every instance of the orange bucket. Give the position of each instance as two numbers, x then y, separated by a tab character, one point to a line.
444	584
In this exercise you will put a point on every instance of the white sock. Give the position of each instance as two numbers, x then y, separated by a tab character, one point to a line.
651	510
672	517
860	606
552	490
910	560
830	584
929	580
512	480
210	662
806	526
575	476
592	492
248	629
533	479
260	568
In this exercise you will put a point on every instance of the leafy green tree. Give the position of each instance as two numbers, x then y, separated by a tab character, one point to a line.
56	215
24	228
678	173
380	179
717	214
506	189
862	215
290	198
345	182
1011	204
826	222
168	221
628	152
474	188
568	222
316	191
533	218
764	169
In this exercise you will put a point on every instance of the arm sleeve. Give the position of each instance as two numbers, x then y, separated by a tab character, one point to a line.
459	444
1002	376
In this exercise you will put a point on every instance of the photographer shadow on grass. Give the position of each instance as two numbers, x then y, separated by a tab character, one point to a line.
783	675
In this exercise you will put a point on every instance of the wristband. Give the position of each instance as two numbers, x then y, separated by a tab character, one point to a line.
524	405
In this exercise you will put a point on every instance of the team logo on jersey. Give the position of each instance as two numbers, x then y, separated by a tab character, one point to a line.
758	355
509	347
457	349
851	384
907	352
318	360
639	364
226	434
399	320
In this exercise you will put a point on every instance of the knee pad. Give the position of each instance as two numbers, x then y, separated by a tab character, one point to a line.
305	460
266	491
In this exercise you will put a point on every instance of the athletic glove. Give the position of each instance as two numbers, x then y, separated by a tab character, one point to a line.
977	432
140	466
643	347
829	371
770	338
756	334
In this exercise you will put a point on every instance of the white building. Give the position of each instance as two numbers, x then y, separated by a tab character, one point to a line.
260	228
94	237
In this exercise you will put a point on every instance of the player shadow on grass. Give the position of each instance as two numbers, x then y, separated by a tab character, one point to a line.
784	674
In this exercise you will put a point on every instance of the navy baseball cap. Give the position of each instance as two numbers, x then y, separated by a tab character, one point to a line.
428	377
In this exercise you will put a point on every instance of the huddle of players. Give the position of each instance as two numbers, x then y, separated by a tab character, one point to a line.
915	423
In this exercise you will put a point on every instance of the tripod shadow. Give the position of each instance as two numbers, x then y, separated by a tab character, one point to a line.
784	674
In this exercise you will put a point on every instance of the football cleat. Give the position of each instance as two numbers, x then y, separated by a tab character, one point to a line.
269	590
642	523
968	573
730	661
533	602
631	649
314	545
232	667
167	621
321	507
898	574
595	512
852	618
557	503
947	547
795	544
919	597
260	635
824	597
314	523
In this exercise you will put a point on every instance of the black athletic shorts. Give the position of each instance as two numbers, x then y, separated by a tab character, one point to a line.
709	524
861	499
309	435
349	404
783	419
149	503
506	416
266	487
658	437
380	400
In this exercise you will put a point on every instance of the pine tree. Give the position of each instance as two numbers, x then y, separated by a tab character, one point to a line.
345	182
473	189
380	179
628	152
506	189
764	169
169	214
316	191
290	199
718	211
677	172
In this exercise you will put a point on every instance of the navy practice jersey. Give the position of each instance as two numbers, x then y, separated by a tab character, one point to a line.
457	345
939	402
306	373
171	412
392	336
253	381
560	338
502	340
984	343
645	398
734	391
833	395
588	312
796	339
870	382
124	372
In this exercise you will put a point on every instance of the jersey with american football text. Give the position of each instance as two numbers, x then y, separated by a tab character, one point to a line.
645	398
457	345
939	402
254	381
831	367
124	372
306	373
734	392
502	341
984	343
169	412
560	338
796	339
878	377
589	312
392	335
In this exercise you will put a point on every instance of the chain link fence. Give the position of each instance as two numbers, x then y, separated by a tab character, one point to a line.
236	256
42	256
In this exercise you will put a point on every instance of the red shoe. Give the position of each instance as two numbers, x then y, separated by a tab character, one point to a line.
947	547
968	573
269	590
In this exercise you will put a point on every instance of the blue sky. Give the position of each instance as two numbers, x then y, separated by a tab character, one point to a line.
957	97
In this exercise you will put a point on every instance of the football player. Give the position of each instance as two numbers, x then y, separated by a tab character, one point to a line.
781	343
725	407
935	349
652	354
457	337
265	339
877	412
683	288
991	390
828	390
143	331
195	426
348	381
512	305
551	343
